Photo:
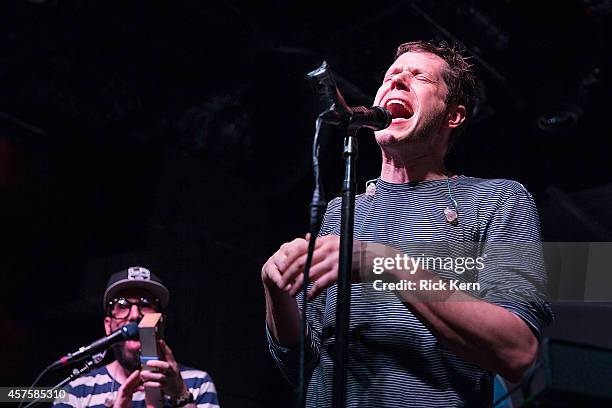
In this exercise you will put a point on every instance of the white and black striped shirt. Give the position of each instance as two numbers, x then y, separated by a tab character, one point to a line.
394	360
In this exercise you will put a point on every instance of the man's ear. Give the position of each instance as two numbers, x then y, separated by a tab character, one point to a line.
455	116
107	325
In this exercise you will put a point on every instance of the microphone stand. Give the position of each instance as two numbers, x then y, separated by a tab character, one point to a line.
343	297
94	359
75	373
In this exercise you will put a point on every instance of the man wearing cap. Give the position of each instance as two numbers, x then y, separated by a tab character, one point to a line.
130	294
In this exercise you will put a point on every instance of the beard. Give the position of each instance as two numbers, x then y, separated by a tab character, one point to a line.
427	133
128	360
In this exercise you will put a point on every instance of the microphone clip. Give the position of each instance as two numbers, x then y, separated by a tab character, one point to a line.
334	109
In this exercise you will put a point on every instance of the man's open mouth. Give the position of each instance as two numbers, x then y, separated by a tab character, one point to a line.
399	109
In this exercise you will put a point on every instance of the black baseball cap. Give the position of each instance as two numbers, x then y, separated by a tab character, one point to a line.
136	277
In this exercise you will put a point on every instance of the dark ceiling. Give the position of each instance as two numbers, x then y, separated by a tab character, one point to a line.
174	132
176	72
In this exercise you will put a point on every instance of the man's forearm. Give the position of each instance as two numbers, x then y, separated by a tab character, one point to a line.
282	316
478	331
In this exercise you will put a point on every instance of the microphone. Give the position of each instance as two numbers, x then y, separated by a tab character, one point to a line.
375	118
127	332
337	111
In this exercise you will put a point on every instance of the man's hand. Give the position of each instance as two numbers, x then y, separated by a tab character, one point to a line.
284	270
282	276
290	256
165	374
323	270
127	389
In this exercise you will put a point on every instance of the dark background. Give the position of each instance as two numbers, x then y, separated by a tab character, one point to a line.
176	135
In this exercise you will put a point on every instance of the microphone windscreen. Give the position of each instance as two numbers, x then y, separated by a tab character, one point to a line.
130	331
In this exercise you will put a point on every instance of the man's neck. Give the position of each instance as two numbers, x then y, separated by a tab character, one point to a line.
118	372
397	169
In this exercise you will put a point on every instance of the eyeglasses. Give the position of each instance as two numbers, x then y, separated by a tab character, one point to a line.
120	308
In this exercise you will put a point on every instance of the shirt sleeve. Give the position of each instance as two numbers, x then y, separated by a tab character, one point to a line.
287	358
207	395
514	275
70	400
200	384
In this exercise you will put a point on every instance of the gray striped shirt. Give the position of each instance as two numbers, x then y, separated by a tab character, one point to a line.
395	361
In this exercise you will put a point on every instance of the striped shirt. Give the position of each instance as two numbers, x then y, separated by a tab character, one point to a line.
98	389
394	360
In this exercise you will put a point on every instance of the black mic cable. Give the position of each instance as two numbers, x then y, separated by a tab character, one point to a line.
334	111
